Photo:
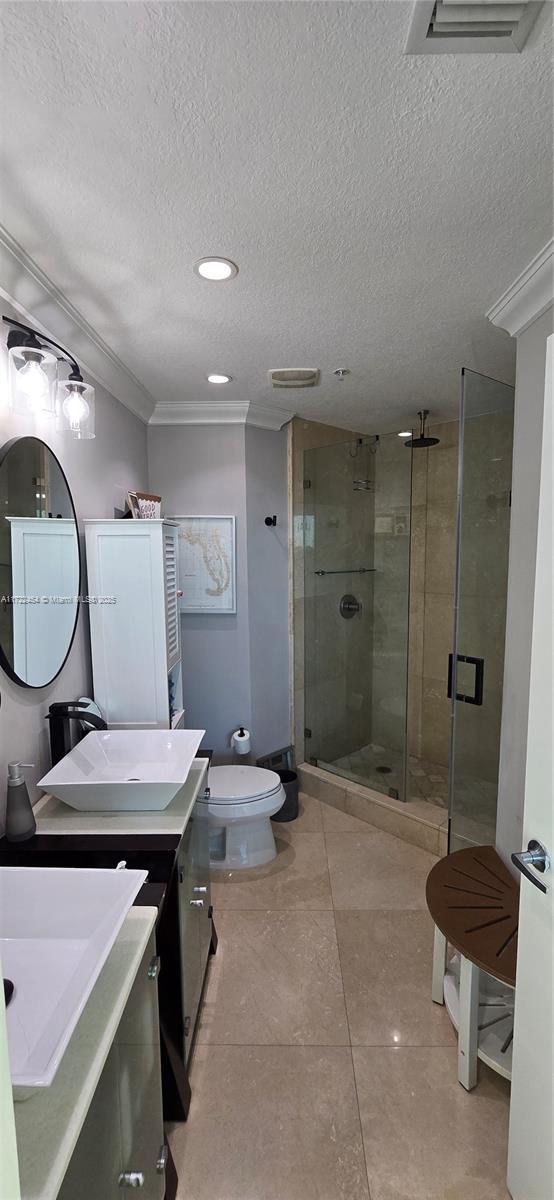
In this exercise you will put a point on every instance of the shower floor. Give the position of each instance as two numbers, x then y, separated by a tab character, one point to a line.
382	769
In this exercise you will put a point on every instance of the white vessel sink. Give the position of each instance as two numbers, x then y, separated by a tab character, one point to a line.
57	927
124	769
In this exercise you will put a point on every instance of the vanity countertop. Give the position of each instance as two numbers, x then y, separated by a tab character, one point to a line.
54	817
48	1126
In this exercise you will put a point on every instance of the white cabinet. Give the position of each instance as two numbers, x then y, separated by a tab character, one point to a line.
134	622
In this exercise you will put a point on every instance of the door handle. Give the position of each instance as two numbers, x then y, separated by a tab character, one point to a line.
131	1179
161	1161
479	664
534	856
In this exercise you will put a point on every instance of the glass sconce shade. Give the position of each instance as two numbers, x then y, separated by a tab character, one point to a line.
75	408
33	375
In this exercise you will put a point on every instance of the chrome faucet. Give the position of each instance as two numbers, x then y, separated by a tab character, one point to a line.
60	715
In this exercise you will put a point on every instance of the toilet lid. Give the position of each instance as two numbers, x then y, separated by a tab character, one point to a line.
238	784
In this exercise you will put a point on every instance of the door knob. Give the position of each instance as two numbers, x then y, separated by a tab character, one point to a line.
534	856
131	1179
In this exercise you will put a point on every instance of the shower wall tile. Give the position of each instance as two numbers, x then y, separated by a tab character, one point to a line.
442	474
435	721
417	613
419	480
415	715
438	635
482	633
417	549
440	548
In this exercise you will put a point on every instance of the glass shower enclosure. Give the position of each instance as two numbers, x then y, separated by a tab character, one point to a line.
477	662
356	597
357	536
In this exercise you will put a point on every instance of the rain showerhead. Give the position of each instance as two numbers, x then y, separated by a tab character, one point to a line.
422	441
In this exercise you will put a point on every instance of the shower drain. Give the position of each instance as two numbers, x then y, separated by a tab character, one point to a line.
384	770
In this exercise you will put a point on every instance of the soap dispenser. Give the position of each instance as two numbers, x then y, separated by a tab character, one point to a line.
20	818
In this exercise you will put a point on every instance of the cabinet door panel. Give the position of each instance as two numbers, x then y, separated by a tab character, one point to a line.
140	1088
201	873
96	1162
140	1103
171	568
189	927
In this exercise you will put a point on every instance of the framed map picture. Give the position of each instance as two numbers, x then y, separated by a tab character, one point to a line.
207	566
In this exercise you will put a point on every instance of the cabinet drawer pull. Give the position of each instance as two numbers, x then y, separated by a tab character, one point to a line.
186	1026
196	903
154	967
161	1161
131	1179
202	888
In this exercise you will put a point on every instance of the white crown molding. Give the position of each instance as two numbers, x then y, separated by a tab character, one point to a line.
217	412
528	297
268	418
193	412
40	303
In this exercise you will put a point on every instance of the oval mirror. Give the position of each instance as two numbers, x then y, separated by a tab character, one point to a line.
40	569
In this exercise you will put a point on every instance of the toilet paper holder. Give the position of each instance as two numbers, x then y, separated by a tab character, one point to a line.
240	740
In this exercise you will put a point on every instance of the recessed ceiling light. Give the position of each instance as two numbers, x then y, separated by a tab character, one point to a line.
405	433
216	269
219	378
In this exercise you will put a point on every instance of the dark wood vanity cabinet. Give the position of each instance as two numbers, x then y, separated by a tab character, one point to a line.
195	921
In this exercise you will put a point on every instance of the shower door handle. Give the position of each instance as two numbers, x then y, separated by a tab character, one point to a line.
479	664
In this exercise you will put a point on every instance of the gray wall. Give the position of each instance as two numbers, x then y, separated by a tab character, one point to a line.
99	474
266	495
230	663
528	417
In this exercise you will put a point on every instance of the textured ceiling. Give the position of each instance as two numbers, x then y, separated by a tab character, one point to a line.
376	204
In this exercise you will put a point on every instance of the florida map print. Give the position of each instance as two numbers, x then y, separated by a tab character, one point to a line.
206	562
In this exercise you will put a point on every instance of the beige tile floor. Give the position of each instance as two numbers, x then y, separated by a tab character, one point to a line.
322	1070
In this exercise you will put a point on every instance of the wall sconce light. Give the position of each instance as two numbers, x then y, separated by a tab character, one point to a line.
34	384
75	406
33	373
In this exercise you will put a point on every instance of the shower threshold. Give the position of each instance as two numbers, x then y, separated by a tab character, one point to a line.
382	769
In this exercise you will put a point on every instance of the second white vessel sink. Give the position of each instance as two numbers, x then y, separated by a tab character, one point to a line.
57	927
124	769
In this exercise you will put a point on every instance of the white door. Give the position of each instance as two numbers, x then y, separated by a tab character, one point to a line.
531	1141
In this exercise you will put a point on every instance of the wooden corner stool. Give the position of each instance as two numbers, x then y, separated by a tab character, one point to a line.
474	902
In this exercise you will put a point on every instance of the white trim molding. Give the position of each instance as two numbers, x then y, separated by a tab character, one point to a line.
192	412
528	297
268	418
40	303
217	412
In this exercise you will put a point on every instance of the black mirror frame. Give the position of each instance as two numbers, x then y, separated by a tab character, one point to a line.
4	662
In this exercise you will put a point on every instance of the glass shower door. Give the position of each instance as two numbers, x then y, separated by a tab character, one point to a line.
477	664
356	563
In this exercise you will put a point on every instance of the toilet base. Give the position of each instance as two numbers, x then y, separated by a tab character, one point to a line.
242	844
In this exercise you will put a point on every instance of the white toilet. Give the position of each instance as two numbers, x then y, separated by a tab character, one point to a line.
242	799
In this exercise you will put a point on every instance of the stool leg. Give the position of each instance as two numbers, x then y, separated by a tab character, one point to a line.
439	967
469	1017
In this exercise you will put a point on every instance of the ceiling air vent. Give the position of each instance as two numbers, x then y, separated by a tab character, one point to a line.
294	377
473	27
